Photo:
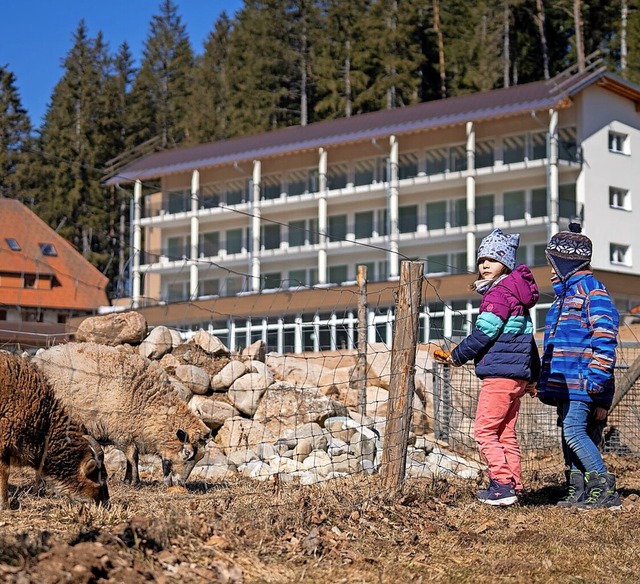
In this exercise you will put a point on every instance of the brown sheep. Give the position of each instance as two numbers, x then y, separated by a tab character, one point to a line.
36	431
127	400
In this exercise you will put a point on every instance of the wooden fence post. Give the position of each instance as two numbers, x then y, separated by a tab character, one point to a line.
361	368
401	387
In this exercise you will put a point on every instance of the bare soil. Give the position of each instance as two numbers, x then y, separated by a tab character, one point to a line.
344	531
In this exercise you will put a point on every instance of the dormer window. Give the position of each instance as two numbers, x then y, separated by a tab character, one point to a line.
48	249
13	244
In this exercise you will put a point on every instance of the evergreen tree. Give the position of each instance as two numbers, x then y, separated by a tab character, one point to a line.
473	44
342	59
163	85
632	69
305	30
263	69
208	119
15	137
395	57
75	144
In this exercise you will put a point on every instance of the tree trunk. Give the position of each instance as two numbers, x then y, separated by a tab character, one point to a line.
303	83
347	81
577	18
438	31
505	45
543	38
624	10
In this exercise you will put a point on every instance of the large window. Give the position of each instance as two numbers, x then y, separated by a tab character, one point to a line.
485	154
567	201
337	227
459	215
337	274
209	287
513	149
437	264
297	233
272	280
179	201
337	176
407	166
458	158
437	215
485	209
514	205
408	219
364	224
538	146
270	236
209	244
436	161
234	241
271	188
539	202
177	248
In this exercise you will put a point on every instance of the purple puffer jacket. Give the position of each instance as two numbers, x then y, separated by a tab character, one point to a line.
501	343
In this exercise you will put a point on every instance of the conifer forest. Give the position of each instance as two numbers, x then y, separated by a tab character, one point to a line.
273	64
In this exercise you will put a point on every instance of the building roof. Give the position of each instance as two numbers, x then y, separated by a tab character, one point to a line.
497	103
79	285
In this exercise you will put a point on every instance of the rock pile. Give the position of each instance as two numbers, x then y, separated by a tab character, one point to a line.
289	415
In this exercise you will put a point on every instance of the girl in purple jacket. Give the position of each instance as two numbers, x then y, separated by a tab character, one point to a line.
506	359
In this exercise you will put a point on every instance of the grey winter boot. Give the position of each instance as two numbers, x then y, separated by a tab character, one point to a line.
576	489
601	492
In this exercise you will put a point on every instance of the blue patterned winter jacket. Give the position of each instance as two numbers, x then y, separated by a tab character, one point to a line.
580	342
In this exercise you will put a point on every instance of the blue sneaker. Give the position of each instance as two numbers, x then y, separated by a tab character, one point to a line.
498	494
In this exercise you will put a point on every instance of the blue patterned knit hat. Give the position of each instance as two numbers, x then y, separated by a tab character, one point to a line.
569	251
501	247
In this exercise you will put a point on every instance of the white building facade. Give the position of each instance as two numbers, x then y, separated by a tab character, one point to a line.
302	208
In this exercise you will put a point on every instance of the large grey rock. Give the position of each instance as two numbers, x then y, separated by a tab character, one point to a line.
238	433
246	391
158	342
209	343
214	413
113	329
285	406
227	375
196	379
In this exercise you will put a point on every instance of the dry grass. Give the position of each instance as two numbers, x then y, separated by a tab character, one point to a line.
347	531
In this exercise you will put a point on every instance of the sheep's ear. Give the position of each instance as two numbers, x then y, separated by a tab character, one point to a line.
89	467
182	436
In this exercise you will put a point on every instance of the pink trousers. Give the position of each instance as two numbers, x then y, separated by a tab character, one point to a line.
495	428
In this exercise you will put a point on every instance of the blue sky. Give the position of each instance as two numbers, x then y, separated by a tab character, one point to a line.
36	35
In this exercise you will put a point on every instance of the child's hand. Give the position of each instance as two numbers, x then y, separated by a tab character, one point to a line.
531	389
600	414
442	356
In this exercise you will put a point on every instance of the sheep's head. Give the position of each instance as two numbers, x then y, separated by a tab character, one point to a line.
184	452
86	481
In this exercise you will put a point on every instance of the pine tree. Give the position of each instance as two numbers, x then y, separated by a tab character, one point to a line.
632	69
163	85
15	137
341	64
208	119
473	44
395	57
263	69
75	144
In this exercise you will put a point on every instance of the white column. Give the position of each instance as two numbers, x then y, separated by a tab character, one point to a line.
280	341
394	263
322	217
350	331
552	187
316	333
137	244
332	331
195	234
231	325
471	197
255	228
448	321
389	328
247	332
371	327
297	335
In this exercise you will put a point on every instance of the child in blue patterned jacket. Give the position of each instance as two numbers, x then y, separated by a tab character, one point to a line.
577	367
